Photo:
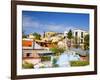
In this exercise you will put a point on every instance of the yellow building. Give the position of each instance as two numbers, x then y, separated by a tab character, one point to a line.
50	34
31	36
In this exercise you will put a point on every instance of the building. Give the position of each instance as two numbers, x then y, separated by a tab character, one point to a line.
65	33
78	37
49	34
31	36
27	43
32	51
55	39
79	34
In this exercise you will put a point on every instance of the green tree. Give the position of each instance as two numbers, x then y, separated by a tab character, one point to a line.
23	34
37	35
57	50
86	42
70	36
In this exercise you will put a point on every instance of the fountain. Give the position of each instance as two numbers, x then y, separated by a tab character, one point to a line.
66	57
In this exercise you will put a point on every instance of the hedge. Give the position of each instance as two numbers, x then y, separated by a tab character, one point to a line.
79	63
27	65
45	58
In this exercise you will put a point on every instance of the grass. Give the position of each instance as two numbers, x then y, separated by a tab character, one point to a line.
79	63
27	65
45	58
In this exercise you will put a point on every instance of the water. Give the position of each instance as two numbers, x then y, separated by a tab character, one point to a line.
63	60
66	57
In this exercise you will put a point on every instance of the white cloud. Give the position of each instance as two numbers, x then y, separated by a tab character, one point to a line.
55	28
70	27
30	22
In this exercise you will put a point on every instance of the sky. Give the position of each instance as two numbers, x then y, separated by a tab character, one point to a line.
40	22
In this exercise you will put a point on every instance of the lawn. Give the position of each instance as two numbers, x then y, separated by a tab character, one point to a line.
79	63
27	65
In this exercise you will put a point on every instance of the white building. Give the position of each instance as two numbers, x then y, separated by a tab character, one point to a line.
79	34
65	33
78	37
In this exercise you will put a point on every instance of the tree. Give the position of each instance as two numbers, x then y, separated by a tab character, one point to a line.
37	36
57	50
86	42
69	36
23	34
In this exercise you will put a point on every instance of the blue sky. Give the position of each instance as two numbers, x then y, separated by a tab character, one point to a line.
40	22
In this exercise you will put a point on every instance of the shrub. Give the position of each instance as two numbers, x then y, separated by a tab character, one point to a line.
45	58
57	50
42	67
54	61
27	65
79	63
55	65
77	53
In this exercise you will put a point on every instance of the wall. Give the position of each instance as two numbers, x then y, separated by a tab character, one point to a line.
5	32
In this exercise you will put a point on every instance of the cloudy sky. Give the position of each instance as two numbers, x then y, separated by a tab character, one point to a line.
51	21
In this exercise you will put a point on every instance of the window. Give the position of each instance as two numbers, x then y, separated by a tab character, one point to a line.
28	54
81	40
76	33
81	34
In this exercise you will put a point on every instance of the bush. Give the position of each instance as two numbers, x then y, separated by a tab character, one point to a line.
27	65
42	67
54	61
77	53
55	65
45	58
57	50
79	63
